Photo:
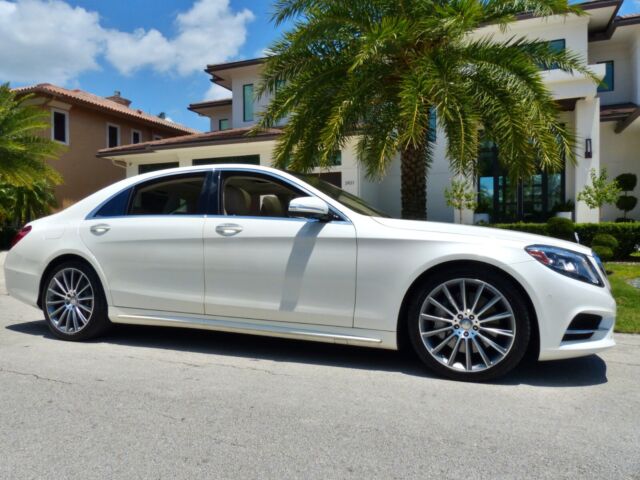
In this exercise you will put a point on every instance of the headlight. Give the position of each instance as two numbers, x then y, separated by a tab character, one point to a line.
566	262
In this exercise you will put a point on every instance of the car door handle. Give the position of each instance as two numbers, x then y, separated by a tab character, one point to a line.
100	229
228	229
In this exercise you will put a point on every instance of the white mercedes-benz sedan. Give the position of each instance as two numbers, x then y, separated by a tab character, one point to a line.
256	250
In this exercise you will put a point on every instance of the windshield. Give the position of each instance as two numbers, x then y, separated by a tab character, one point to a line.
345	198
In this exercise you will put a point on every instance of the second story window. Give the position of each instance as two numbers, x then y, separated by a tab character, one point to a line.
60	126
223	124
136	136
113	135
247	102
556	46
608	80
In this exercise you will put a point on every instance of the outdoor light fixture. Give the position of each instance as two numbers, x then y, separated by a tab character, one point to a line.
588	152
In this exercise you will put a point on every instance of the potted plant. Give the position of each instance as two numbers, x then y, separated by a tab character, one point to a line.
564	209
461	196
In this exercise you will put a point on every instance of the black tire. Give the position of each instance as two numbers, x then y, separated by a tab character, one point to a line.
473	275
97	322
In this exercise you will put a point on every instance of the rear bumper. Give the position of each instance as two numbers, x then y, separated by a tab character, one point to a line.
22	281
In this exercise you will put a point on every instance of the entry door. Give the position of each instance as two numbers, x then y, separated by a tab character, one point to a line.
152	255
262	264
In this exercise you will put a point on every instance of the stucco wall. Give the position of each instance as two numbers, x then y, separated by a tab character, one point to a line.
83	173
623	90
620	154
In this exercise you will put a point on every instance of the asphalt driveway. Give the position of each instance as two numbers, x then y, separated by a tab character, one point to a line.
167	403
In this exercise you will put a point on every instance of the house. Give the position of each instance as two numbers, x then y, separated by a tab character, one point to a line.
605	119
86	123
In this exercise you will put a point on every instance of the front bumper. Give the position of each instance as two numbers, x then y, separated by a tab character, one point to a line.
558	301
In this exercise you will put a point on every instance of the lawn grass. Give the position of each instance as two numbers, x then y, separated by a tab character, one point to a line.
627	297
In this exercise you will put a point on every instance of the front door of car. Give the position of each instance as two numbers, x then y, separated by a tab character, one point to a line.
261	263
148	241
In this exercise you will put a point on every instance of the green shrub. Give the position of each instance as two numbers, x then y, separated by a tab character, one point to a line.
605	240
561	228
536	228
627	234
605	253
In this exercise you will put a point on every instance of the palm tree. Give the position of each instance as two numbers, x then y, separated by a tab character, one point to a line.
22	150
377	70
20	205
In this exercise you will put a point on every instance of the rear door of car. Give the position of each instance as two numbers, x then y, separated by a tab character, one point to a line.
148	241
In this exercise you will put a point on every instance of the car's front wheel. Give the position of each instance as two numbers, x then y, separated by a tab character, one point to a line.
73	302
469	324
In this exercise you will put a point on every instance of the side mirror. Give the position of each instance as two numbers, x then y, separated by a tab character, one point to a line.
309	207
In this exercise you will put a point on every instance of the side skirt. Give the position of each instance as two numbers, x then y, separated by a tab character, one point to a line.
316	333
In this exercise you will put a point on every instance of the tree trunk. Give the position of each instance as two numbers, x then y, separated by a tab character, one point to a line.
413	166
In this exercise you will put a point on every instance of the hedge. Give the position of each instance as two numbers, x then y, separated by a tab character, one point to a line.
627	234
6	235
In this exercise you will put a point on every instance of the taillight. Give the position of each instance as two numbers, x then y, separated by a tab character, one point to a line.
20	235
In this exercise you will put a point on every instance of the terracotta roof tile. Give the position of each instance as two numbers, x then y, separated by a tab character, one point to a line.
233	135
86	98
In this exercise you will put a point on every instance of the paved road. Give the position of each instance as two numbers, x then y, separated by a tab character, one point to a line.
165	403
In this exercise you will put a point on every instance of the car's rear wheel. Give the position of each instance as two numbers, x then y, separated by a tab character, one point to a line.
469	324
73	302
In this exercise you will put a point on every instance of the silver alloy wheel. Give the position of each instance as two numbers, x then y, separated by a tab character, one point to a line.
69	300
467	325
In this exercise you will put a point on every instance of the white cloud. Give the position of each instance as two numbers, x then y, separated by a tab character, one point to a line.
47	41
51	41
207	33
216	92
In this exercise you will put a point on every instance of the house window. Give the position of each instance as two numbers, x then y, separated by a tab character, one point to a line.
157	137
244	159
154	167
247	102
336	159
608	80
136	136
60	126
556	46
223	124
433	125
532	199
113	135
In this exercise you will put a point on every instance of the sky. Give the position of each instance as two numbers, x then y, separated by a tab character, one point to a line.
152	51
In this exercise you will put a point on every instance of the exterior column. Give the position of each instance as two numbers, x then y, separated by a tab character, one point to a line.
587	126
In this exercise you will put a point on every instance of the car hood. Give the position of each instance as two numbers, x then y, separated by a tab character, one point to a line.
481	233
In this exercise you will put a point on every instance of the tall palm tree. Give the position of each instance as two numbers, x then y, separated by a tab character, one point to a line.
23	150
377	70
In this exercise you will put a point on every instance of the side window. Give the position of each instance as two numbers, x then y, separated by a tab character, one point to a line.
255	195
180	195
